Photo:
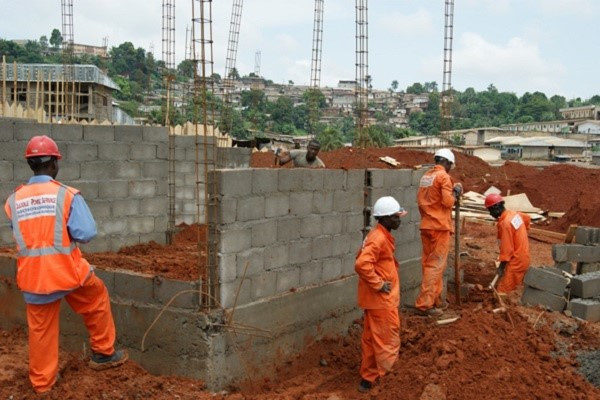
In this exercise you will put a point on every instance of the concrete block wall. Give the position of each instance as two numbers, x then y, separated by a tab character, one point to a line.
120	170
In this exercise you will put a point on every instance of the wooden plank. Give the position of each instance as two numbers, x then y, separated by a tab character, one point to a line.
570	233
544	232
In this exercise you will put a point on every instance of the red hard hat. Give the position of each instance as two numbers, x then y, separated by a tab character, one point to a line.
492	199
42	146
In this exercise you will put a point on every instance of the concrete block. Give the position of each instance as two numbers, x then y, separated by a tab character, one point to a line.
341	245
334	179
355	222
313	179
586	309
311	226
229	291
290	180
409	198
161	223
587	235
300	251
69	171
110	226
13	151
277	256
391	178
575	252
322	247
162	152
155	170
348	264
140	224
235	182
100	209
99	133
355	179
26	129
264	285
142	151
566	266
332	269
250	208
6	172
255	258
288	279
264	180
547	279
7	130
375	178
533	297
332	224
96	171
8	266
227	209
586	285
322	202
301	203
155	134
342	201
138	287
113	189
128	133
311	272
288	229
142	189
129	170
227	267
180	293
154	205
122	208
277	205
417	174
264	234
235	240
584	268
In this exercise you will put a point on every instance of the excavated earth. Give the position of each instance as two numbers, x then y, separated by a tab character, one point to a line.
526	353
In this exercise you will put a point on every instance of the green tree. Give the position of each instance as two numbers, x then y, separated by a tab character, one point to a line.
44	42
394	85
330	139
56	38
415	88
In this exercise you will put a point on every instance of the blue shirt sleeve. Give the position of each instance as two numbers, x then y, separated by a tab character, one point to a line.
81	224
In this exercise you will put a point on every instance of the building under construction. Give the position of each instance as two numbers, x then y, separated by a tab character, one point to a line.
41	91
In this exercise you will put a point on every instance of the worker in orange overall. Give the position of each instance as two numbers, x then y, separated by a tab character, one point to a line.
513	238
47	218
435	198
379	293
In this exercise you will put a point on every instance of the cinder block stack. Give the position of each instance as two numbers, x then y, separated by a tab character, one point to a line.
579	294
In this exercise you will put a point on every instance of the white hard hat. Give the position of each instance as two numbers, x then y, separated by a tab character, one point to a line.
387	205
445	153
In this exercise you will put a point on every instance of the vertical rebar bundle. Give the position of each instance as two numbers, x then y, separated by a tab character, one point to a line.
446	97
168	57
228	83
68	85
204	115
257	61
317	48
363	78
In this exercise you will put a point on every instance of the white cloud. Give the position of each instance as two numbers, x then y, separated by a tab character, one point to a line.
580	8
417	24
515	66
495	6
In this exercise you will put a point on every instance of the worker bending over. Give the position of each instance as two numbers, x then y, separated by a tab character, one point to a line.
47	218
435	198
302	158
379	293
513	238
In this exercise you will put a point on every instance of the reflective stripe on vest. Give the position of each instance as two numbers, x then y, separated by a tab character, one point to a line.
58	230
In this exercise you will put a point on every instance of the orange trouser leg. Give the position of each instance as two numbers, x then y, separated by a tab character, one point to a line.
380	343
434	256
510	280
42	320
91	301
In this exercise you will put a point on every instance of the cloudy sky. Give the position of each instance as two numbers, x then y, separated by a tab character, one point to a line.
518	45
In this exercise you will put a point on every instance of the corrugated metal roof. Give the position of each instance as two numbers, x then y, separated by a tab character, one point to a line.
536	141
55	72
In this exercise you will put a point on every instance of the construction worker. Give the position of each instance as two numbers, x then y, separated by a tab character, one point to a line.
302	158
435	198
47	218
513	238
379	293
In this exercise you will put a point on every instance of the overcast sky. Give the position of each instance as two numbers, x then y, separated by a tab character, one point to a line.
520	46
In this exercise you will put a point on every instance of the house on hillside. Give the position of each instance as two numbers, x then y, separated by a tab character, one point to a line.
537	148
421	142
580	113
589	127
486	153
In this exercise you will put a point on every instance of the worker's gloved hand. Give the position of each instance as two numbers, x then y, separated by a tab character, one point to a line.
386	288
457	190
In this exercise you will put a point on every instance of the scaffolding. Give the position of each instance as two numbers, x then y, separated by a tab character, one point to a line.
363	79
202	52
446	98
229	77
168	57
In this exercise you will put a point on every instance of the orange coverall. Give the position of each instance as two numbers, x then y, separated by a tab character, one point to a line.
435	201
376	264
514	248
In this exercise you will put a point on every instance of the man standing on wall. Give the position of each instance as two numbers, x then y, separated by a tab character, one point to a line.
302	158
435	198
379	294
513	237
47	218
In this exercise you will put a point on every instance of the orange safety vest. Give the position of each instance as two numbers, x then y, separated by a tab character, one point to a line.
48	260
435	200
